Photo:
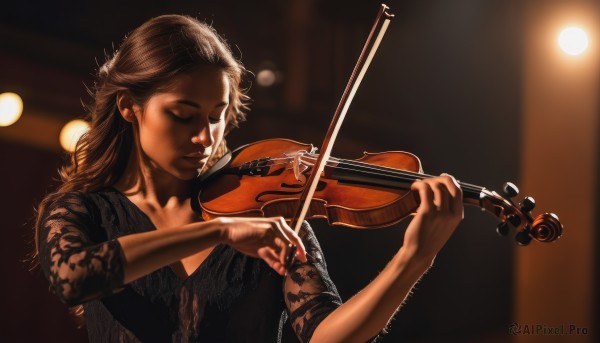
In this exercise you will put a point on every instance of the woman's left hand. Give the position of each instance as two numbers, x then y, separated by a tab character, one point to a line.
439	213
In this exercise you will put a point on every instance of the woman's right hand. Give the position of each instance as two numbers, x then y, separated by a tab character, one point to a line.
270	239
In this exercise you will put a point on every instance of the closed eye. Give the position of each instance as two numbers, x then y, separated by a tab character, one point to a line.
178	118
215	120
219	113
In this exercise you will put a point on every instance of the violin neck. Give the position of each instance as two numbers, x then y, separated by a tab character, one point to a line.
376	176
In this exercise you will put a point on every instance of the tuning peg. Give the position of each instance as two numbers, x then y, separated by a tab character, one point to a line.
514	220
502	229
510	190
523	237
527	204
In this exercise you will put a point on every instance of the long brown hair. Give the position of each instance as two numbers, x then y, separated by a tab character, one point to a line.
148	57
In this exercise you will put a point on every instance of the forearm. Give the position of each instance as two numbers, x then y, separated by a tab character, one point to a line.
368	312
145	252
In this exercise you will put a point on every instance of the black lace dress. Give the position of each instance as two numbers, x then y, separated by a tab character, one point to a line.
230	298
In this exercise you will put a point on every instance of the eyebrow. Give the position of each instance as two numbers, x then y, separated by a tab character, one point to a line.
196	105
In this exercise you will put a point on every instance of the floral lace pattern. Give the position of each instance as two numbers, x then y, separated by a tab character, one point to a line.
310	295
82	260
77	269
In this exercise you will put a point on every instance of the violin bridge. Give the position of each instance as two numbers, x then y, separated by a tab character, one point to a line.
299	164
296	166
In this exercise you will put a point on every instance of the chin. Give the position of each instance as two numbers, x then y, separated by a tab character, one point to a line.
185	172
187	176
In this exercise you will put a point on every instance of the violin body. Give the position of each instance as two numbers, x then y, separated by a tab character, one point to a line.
257	189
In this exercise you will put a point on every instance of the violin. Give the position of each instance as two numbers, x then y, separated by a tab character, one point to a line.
266	178
281	177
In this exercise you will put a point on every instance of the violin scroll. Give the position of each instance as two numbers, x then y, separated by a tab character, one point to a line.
544	228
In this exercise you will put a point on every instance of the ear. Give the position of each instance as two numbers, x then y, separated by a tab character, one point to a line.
127	107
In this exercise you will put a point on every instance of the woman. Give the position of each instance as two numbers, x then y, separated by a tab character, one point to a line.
119	235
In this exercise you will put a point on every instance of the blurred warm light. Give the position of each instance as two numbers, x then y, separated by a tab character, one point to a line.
573	40
71	132
266	78
11	108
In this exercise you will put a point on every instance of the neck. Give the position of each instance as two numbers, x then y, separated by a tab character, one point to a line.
145	181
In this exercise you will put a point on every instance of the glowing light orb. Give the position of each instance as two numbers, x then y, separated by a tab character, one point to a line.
11	108
573	41
266	78
71	132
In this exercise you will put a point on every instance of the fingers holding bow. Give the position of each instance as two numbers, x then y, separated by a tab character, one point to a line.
270	239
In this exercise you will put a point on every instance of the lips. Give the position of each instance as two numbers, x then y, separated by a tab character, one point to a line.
198	154
197	158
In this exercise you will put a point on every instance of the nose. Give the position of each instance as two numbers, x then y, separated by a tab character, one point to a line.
203	137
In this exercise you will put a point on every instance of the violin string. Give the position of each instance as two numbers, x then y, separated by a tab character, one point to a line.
402	175
356	167
383	171
391	172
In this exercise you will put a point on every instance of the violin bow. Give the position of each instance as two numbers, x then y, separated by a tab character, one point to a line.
375	36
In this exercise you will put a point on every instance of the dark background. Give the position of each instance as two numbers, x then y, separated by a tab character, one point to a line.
445	85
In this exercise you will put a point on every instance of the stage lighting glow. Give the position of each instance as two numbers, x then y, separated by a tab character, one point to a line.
11	108
71	132
573	41
265	78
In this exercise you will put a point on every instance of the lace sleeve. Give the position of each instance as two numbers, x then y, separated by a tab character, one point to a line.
310	295
78	268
